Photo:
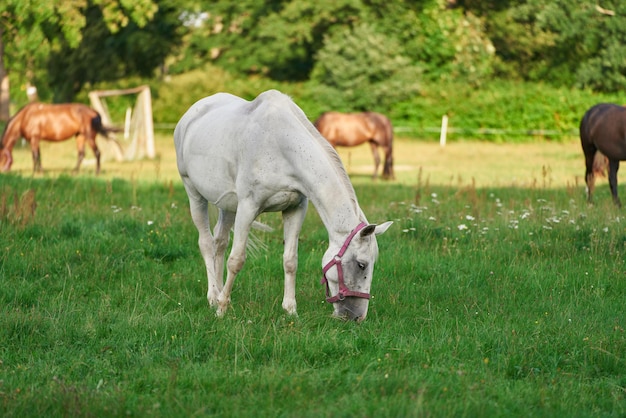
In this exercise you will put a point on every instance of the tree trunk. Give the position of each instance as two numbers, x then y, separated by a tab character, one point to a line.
4	84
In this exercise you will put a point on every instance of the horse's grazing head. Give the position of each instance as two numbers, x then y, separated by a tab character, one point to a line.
348	271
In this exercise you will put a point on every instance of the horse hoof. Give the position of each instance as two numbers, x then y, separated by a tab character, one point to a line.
222	307
213	300
290	308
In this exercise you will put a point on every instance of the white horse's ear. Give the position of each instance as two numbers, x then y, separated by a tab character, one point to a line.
375	229
383	227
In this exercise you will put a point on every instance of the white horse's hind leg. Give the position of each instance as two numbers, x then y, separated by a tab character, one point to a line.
292	221
237	257
198	207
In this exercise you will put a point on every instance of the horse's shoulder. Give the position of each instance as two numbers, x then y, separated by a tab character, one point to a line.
32	106
215	101
271	98
273	104
31	109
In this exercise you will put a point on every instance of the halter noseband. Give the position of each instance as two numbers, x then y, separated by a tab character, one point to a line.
336	261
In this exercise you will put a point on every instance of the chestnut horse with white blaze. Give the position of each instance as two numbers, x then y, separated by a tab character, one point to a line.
52	122
352	129
248	157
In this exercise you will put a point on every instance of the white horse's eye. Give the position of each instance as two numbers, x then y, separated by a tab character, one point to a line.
361	265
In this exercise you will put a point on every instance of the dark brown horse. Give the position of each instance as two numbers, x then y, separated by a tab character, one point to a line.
351	129
603	138
52	122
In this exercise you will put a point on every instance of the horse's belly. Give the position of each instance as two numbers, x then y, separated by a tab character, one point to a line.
282	200
227	201
611	142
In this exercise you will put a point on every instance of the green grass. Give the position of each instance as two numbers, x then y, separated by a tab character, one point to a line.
487	302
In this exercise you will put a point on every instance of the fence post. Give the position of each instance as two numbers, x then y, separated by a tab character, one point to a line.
444	131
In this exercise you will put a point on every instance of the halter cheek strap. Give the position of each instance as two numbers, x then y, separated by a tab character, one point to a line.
336	261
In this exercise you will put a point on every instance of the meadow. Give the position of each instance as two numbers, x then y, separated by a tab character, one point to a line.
498	292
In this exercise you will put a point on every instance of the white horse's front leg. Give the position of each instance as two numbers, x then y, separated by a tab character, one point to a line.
237	257
292	221
235	263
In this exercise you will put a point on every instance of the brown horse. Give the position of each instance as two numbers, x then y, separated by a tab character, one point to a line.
52	122
603	138
351	129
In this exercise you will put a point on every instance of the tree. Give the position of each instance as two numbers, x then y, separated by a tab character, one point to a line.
573	43
34	29
591	39
23	39
281	39
4	83
106	55
360	69
273	38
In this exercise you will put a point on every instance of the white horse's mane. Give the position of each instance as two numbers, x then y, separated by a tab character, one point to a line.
276	96
330	153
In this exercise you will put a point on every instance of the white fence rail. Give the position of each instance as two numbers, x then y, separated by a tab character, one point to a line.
445	130
475	133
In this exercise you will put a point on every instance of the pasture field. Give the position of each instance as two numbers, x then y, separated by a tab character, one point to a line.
498	292
529	164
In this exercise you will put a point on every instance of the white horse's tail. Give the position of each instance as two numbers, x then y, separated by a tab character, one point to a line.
256	245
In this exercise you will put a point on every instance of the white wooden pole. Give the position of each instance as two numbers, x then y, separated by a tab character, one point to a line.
147	105
444	131
127	123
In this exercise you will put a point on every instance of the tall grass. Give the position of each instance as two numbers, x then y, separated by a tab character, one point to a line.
486	302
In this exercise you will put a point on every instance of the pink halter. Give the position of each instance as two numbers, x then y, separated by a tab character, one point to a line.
343	290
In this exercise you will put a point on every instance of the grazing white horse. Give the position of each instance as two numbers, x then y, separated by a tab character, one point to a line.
249	157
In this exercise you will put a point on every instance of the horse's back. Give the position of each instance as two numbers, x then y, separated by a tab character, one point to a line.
349	129
57	122
218	122
225	144
604	127
344	129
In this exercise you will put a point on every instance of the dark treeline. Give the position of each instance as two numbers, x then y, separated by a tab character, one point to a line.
366	51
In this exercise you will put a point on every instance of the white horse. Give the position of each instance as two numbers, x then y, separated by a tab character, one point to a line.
249	157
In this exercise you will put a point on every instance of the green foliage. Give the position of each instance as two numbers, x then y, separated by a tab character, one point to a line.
59	46
604	66
497	111
478	294
172	97
361	69
106	53
277	39
504	111
421	30
26	36
566	42
354	54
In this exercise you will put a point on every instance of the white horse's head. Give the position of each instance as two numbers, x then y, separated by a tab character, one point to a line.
348	271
